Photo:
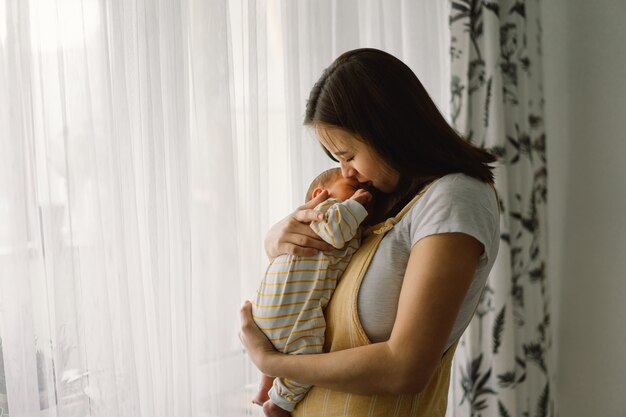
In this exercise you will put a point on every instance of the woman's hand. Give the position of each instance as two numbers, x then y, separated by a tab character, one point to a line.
292	235
257	345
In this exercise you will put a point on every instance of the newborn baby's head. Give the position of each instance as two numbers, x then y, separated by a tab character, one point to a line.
339	187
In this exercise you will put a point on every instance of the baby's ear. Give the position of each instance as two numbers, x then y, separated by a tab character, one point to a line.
316	192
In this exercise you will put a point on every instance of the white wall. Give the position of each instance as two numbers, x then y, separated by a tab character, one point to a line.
585	92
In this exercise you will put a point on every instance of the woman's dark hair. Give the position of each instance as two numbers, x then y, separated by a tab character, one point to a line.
377	97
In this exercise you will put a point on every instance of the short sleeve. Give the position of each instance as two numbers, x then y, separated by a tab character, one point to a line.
456	203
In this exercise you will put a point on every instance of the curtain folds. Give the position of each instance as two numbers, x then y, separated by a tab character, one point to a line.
503	363
119	265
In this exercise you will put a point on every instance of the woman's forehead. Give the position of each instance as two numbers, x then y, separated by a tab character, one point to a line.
335	139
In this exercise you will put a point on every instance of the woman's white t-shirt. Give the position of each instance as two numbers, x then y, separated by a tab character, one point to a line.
453	203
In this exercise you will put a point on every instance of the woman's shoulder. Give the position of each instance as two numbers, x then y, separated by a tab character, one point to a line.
455	203
459	180
456	197
459	188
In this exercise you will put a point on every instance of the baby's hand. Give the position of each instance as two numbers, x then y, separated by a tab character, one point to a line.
362	196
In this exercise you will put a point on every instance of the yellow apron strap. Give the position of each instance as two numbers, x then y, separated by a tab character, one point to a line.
384	227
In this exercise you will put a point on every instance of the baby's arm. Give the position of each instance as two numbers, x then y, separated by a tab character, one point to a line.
341	220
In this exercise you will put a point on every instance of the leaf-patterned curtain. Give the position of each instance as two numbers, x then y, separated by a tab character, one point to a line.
502	365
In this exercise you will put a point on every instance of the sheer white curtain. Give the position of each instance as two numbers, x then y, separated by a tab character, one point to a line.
145	147
119	247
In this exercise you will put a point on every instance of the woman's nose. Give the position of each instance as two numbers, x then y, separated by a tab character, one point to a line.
347	171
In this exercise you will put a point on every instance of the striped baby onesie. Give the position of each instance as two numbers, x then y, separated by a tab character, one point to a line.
289	304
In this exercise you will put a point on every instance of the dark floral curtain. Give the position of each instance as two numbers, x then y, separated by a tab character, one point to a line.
502	366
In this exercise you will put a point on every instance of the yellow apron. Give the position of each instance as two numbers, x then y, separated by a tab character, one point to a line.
344	331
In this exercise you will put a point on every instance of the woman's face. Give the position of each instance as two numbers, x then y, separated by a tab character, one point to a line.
357	159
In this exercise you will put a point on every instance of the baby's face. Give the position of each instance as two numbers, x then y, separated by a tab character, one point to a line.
343	188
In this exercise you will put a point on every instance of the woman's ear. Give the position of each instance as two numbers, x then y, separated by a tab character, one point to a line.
317	192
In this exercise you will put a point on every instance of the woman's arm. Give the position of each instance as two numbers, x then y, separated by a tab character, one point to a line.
292	235
438	275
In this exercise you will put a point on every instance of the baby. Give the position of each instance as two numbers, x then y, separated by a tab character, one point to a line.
289	304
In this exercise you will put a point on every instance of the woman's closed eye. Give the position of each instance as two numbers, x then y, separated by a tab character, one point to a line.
341	156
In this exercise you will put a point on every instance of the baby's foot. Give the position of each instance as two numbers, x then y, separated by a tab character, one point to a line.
272	410
261	396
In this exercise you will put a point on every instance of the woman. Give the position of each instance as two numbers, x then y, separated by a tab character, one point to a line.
402	304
